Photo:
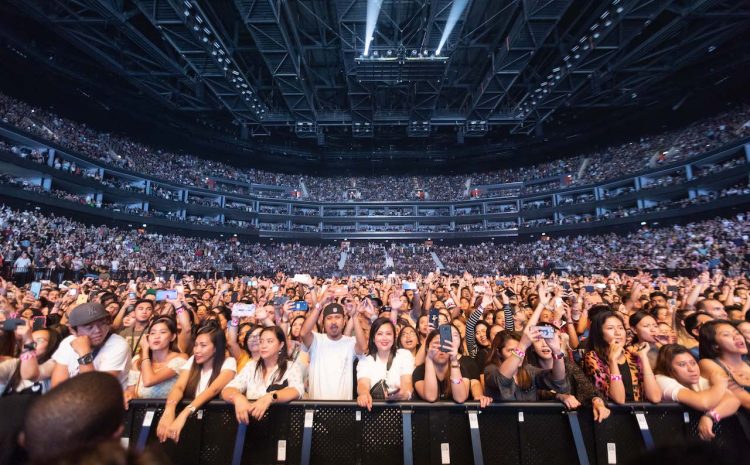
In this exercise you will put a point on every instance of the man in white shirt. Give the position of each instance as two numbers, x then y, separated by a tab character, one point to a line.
331	373
91	347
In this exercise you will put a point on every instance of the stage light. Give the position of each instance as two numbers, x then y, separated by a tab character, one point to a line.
457	9
373	11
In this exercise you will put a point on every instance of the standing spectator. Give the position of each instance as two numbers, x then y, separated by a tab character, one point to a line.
21	268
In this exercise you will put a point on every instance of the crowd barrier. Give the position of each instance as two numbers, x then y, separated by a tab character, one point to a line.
327	432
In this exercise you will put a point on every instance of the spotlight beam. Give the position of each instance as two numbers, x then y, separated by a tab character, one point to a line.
373	11
457	9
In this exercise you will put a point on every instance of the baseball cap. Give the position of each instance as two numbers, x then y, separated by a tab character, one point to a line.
333	309
86	313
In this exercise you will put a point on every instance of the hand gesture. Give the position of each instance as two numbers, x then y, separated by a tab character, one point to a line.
615	352
81	345
530	334
601	412
143	343
570	402
260	406
365	401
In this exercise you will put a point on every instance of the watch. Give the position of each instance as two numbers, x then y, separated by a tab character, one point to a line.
29	346
274	397
559	356
87	359
191	408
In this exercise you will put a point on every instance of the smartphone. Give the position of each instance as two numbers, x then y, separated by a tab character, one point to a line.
589	289
36	289
547	332
275	288
73	292
566	285
509	292
279	301
38	323
432	317
479	289
499	282
673	288
11	324
170	294
407	286
132	295
446	337
235	296
300	306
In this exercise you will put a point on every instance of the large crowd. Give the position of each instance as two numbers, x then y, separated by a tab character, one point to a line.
587	341
615	161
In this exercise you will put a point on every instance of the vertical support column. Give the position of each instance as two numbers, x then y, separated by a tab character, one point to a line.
51	157
147	190
407	439
239	444
148	419
689	172
648	439
476	441
307	431
575	428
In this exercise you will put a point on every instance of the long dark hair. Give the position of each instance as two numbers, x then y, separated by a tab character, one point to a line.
372	349
523	379
707	347
416	335
283	357
667	353
52	345
486	329
213	330
171	325
633	321
445	385
596	340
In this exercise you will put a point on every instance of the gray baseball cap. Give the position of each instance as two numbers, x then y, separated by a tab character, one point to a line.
87	313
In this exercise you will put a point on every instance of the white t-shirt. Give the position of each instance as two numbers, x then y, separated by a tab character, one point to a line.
331	372
670	387
229	364
113	356
403	364
251	383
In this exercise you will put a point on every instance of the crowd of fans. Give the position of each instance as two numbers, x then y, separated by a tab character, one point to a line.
615	161
585	340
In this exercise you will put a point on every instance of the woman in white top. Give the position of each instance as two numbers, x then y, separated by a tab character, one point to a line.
202	378
679	378
385	373
270	380
155	369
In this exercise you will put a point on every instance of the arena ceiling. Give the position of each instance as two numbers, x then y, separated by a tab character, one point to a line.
299	66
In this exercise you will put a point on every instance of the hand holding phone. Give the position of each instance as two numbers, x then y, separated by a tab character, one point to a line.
446	338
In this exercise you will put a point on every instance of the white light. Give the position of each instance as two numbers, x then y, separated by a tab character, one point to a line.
620	9
457	9
373	11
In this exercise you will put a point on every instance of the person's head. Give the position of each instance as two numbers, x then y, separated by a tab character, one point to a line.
47	341
734	313
407	339
208	350
661	313
665	334
678	362
658	299
80	412
432	343
718	338
333	320
606	328
482	334
272	344
296	327
744	328
423	324
713	307
644	327
112	307
162	334
694	322
143	311
92	320
541	350
382	338
252	339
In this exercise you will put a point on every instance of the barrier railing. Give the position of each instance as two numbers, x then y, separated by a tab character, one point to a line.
323	432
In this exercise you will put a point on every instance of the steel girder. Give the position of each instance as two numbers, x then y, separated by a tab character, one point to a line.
275	32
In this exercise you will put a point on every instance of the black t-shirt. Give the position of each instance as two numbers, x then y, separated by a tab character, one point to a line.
444	387
627	381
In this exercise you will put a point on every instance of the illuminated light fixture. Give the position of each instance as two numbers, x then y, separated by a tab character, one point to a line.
457	9
373	11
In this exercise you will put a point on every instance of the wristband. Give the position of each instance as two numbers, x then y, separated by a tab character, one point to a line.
234	322
457	381
615	377
713	416
518	353
28	355
455	365
559	356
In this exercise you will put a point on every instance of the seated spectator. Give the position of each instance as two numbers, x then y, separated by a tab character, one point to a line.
201	379
91	347
385	372
620	375
158	363
79	413
270	379
680	380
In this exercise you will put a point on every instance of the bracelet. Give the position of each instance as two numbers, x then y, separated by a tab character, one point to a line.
559	356
456	365
457	381
145	360
234	322
518	353
615	377
179	310
713	415
28	355
172	402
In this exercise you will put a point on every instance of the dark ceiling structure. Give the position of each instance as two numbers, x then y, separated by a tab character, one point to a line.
447	69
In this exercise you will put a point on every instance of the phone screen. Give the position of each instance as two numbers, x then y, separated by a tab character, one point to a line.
38	323
300	306
36	289
432	318
446	337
